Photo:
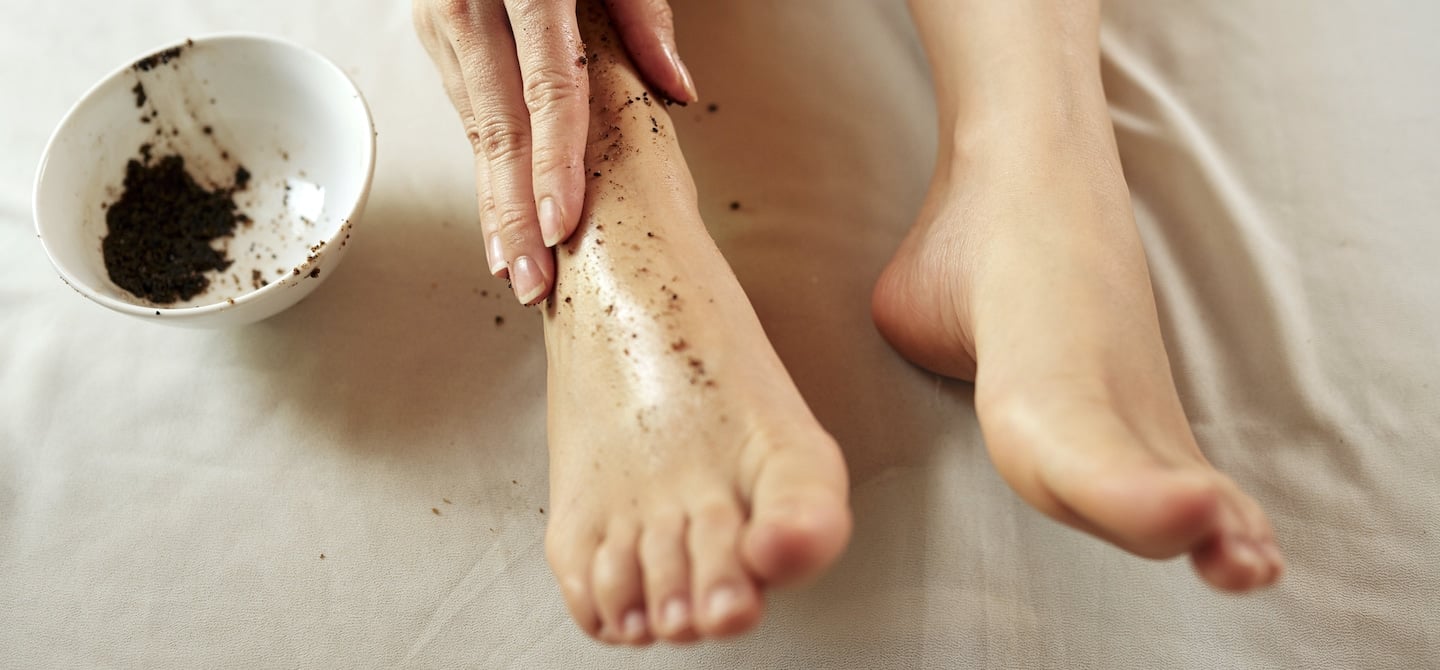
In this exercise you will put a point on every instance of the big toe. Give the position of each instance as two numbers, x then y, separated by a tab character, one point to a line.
800	516
1243	555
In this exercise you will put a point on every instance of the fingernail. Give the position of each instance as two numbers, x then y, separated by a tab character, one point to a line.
634	625
722	602
677	614
686	80
529	283
551	227
495	255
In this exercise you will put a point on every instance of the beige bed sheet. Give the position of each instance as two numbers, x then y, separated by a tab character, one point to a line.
166	495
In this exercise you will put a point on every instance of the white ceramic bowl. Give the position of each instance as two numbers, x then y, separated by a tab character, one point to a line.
283	112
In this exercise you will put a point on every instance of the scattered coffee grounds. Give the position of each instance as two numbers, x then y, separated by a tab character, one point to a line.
159	231
712	108
140	98
735	205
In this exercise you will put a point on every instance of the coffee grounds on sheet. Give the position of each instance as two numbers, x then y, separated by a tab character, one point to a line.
160	230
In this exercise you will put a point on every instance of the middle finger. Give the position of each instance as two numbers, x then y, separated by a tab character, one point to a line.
499	132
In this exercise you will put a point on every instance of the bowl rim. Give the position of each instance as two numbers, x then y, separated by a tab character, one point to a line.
196	311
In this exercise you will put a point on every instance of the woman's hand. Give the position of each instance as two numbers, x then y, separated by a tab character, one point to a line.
515	70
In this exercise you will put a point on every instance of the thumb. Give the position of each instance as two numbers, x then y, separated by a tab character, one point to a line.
648	29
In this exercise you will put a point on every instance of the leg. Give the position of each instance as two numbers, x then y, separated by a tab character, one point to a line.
686	471
1025	273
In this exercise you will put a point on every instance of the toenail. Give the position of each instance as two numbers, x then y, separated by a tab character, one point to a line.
634	625
1272	553
723	601
1247	554
676	615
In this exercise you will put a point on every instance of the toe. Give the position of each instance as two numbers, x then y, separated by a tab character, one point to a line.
725	598
1232	563
618	587
1078	462
1242	555
666	567
571	552
799	513
1151	511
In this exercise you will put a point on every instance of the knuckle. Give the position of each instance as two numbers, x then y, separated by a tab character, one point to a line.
487	213
499	137
454	11
512	224
549	89
554	161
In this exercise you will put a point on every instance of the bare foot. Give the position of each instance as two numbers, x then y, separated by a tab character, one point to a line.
1028	277
686	473
1025	273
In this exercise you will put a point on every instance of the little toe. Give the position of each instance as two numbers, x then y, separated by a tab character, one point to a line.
618	587
666	567
571	553
726	602
799	514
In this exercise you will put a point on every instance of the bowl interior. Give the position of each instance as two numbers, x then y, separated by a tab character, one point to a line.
289	117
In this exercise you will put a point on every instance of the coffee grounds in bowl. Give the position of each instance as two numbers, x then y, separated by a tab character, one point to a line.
158	245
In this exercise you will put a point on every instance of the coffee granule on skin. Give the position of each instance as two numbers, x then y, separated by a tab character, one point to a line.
159	232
